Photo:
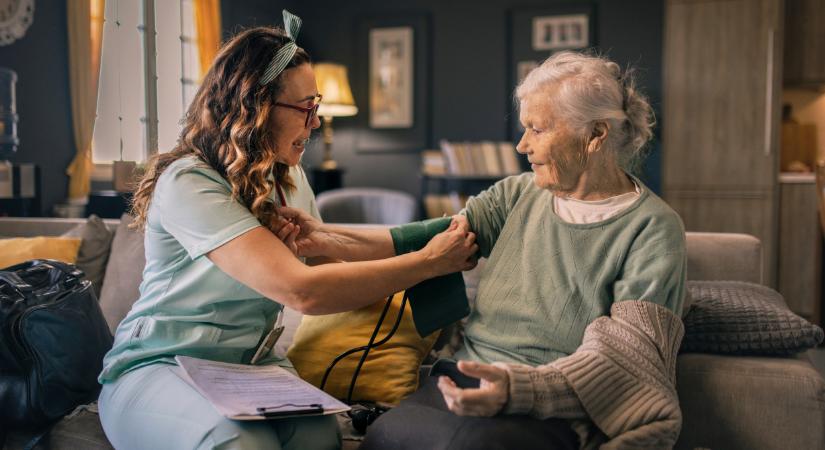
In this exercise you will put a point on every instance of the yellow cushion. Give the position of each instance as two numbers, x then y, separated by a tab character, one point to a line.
390	372
17	250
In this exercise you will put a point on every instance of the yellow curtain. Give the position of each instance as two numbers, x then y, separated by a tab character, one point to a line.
208	30
85	25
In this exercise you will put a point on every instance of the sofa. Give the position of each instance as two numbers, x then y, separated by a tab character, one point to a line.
728	402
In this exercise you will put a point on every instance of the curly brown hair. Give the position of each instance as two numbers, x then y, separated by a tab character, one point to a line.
228	125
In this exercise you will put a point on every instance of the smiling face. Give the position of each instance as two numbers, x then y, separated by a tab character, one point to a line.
557	155
289	129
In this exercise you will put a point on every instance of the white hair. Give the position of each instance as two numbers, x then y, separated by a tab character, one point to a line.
594	89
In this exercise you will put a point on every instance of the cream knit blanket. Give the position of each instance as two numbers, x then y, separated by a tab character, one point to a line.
618	386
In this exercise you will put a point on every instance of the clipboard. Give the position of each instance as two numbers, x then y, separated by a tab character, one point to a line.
245	392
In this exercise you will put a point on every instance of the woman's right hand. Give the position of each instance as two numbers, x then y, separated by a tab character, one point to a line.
453	250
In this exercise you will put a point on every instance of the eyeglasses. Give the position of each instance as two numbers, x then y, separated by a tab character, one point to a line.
311	112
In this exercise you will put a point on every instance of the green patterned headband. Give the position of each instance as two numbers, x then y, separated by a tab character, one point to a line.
292	25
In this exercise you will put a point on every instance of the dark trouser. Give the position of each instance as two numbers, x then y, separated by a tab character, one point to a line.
423	421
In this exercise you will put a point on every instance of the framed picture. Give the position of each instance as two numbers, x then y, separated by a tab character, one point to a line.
538	32
561	32
391	77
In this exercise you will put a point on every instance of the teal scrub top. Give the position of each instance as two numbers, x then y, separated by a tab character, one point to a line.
187	305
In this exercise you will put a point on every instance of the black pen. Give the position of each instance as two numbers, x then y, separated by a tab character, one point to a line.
315	408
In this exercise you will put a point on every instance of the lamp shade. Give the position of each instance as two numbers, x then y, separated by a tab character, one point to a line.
334	86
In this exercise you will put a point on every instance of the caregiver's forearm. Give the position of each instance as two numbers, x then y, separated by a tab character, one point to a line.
357	244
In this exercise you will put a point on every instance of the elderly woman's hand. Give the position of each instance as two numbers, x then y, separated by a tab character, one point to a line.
311	238
285	231
485	401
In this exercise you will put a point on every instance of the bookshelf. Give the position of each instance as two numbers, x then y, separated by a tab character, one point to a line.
457	170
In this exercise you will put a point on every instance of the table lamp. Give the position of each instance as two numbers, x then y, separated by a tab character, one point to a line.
337	102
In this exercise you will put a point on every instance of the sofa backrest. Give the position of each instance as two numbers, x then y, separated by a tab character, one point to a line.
711	256
724	256
39	226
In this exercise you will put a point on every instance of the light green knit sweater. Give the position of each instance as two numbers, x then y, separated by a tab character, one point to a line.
546	279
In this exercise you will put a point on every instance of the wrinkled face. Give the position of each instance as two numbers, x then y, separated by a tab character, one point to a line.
556	154
289	128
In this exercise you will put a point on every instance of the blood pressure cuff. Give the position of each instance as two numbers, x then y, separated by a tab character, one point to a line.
439	301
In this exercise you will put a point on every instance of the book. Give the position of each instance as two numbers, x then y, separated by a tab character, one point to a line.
244	392
433	206
472	155
509	161
440	205
433	162
477	159
451	155
455	203
492	159
465	163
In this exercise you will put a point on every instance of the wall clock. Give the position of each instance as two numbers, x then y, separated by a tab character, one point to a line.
15	18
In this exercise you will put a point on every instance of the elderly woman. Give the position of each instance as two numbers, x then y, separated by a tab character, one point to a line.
576	326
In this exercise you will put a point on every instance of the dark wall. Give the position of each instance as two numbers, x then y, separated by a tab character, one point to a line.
470	81
467	68
239	14
41	60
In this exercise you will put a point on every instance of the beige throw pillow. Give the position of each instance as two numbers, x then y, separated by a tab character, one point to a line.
124	273
94	249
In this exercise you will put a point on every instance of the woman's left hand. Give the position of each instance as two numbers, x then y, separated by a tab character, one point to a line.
485	401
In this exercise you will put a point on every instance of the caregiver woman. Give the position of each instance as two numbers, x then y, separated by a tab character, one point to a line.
215	278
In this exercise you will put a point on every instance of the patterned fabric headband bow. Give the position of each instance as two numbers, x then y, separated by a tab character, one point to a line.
292	25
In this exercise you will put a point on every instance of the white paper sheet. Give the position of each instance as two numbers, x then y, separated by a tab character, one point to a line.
237	390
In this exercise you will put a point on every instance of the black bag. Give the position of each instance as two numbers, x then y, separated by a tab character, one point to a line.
53	337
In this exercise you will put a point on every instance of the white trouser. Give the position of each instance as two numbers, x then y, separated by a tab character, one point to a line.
153	408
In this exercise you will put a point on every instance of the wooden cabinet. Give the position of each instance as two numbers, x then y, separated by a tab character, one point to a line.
800	246
722	86
804	42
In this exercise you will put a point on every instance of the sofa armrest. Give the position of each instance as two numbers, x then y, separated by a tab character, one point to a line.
724	256
750	402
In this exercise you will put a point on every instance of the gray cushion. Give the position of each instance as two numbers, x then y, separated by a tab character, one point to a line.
94	249
123	273
740	318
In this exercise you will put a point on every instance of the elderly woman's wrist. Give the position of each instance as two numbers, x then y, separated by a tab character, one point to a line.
504	393
519	389
324	227
327	245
